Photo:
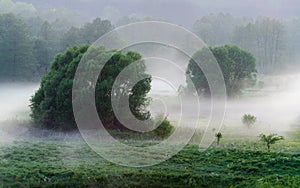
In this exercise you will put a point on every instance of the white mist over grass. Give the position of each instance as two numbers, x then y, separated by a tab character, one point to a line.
277	106
14	109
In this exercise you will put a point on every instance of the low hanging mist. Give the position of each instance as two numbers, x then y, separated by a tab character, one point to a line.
276	106
14	109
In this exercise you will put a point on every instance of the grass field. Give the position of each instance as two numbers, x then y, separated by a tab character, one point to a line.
66	161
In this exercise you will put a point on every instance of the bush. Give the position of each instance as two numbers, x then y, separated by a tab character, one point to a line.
270	139
248	120
165	129
218	136
51	105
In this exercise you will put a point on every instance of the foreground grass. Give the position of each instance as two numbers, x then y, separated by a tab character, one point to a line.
69	162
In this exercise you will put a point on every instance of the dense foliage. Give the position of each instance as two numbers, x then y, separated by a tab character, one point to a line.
30	37
28	45
265	40
236	64
164	129
269	40
217	29
69	162
17	59
41	33
87	34
52	104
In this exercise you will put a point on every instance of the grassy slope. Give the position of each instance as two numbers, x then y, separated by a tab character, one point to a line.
69	162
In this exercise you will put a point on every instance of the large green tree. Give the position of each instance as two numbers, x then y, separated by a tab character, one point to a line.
236	64
52	104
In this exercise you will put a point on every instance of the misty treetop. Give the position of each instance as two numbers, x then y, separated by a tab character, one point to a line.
87	34
25	56
27	46
29	40
20	8
236	64
52	104
273	42
217	29
17	59
265	38
33	10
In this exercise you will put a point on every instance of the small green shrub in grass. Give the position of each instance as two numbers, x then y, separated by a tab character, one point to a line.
165	129
248	120
218	136
270	139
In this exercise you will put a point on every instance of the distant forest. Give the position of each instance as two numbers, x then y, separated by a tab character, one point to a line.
30	39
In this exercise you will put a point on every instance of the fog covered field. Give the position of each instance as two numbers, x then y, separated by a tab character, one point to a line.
275	106
15	100
14	110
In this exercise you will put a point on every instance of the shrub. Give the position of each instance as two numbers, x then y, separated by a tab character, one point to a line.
270	139
218	136
51	105
248	120
165	129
